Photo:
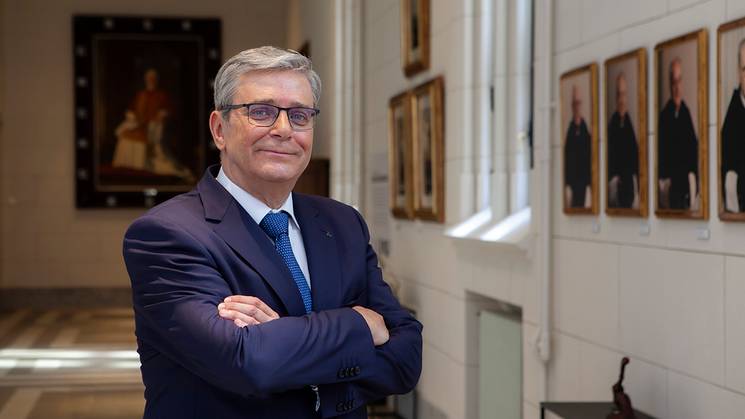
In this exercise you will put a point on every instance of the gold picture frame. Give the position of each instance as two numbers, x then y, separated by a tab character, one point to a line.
427	107
679	118
400	169
579	159
730	108
415	42
626	148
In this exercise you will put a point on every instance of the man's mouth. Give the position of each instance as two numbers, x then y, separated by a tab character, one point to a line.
278	152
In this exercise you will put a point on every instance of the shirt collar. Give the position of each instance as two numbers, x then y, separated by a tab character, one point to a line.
253	206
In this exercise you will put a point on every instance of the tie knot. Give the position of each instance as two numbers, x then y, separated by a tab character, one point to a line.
275	224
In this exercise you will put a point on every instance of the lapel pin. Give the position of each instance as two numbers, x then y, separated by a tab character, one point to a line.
329	235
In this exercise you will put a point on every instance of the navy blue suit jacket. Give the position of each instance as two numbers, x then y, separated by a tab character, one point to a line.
189	253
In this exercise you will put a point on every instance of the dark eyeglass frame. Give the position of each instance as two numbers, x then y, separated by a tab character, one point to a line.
279	110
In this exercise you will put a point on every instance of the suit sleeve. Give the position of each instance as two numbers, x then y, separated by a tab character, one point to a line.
691	144
569	160
397	364
663	149
176	287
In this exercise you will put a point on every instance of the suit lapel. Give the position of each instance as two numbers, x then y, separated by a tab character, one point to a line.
322	252
247	239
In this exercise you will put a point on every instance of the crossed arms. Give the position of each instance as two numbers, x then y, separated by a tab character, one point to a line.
177	288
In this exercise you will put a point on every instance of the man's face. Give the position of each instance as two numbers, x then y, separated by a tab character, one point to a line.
265	155
742	68
621	96
676	83
576	103
151	79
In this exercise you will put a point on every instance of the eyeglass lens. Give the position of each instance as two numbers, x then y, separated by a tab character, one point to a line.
264	115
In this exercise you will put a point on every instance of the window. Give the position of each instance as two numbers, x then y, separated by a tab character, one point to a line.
503	99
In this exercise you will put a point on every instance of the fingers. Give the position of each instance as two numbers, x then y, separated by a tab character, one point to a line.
249	310
375	323
253	301
246	310
238	318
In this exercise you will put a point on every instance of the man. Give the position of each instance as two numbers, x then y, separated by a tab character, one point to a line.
254	302
733	142
677	150
623	154
577	158
143	124
140	136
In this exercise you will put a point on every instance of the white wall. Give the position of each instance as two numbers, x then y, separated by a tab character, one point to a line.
46	242
670	301
314	22
440	277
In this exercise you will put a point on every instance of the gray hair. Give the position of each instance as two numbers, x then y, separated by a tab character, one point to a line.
265	58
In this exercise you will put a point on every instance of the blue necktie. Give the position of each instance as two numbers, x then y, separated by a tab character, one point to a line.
275	224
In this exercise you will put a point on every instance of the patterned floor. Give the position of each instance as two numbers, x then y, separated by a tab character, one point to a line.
70	364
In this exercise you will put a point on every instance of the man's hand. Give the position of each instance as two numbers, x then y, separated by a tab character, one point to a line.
567	196
692	187
731	202
664	190
245	310
613	190
376	324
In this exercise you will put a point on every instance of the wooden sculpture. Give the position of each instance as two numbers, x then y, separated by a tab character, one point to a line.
621	400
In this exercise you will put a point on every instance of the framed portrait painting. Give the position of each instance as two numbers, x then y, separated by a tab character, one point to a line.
579	133
626	134
400	156
731	120
429	191
681	166
415	42
142	98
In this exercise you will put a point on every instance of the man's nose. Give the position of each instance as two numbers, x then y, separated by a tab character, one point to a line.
282	126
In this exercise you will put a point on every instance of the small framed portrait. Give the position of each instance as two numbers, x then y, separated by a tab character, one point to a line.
731	120
414	36
626	134
579	131
681	166
400	161
142	97
428	145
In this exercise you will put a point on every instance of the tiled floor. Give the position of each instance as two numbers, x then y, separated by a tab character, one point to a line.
70	364
64	364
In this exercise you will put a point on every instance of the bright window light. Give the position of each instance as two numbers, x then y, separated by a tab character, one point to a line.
513	227
472	224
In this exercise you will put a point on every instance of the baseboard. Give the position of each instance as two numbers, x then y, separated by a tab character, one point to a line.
40	298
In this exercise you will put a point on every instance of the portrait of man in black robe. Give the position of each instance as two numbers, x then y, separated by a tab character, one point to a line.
623	153
677	149
577	158
733	143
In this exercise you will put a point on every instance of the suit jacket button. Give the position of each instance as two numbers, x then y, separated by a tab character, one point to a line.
357	370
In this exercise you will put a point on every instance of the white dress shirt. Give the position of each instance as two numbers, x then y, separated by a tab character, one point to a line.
258	210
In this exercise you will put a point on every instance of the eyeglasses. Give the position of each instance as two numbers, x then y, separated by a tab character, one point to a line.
265	115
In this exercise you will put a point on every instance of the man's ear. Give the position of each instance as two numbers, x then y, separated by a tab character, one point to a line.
217	125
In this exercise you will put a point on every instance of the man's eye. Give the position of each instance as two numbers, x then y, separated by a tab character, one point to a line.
260	113
299	117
